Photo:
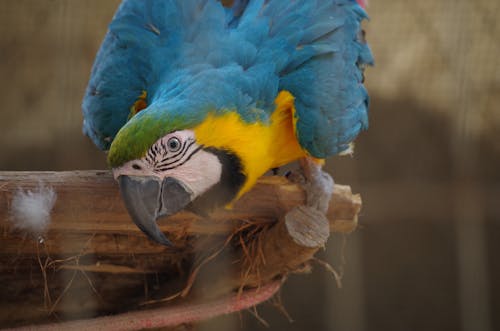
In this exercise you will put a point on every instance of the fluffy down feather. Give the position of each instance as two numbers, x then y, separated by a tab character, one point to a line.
30	210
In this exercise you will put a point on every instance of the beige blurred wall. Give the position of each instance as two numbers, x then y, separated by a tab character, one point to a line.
442	54
47	49
46	52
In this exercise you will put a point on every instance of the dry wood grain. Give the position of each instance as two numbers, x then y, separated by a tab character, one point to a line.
89	203
93	247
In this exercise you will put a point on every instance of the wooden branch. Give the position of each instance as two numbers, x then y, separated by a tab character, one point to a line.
88	202
91	232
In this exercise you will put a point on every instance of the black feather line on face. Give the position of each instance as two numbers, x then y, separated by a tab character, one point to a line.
166	167
180	153
161	159
169	160
231	181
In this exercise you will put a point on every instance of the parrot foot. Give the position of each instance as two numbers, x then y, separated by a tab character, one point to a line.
307	223
317	184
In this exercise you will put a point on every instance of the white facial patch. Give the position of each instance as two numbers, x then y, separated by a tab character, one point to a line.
177	155
200	173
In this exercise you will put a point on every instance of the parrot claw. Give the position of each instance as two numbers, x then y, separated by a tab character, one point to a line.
310	219
296	177
317	183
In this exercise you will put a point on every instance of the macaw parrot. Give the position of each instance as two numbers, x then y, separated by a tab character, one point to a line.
194	100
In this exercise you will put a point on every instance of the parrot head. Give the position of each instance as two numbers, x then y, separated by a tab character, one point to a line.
166	161
174	171
159	176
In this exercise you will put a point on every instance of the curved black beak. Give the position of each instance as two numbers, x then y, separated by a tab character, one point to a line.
148	198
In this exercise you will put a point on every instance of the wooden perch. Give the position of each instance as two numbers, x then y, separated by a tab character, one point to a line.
90	231
88	202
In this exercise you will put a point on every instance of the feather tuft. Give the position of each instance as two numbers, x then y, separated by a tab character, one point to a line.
30	209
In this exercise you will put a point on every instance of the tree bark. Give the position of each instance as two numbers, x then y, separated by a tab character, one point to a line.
89	203
91	233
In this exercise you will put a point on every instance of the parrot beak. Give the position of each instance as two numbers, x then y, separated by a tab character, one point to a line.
148	198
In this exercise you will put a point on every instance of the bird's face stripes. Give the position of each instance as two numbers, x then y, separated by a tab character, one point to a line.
179	156
172	151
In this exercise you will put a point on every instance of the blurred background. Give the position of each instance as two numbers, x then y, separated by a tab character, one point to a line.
423	257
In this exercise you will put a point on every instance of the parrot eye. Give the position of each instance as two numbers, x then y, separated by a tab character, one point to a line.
136	166
174	144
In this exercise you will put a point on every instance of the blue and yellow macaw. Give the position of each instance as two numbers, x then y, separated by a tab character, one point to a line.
195	100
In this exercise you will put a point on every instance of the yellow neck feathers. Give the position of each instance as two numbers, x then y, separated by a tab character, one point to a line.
260	146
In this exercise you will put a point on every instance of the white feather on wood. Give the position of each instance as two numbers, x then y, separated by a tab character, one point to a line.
30	209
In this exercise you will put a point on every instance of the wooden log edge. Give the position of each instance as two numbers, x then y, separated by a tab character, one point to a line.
89	203
89	218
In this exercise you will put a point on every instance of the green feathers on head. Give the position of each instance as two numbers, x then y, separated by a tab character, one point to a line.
140	133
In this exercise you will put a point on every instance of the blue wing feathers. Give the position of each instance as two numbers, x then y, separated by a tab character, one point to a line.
177	49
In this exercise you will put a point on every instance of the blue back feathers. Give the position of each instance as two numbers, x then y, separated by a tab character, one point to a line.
195	56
